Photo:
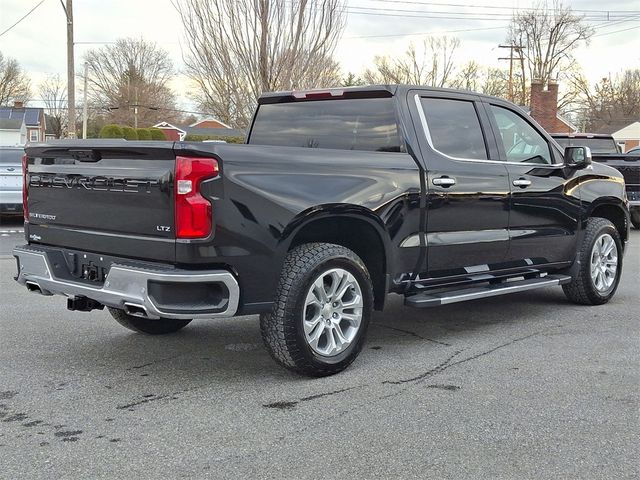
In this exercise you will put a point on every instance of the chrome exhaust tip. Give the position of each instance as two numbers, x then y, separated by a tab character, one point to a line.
136	310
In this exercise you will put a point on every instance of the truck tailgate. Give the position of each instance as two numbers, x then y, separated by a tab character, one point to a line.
111	197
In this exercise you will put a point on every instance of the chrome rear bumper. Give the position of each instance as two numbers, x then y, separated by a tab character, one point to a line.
128	288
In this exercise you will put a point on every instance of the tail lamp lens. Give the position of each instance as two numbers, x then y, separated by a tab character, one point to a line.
194	215
25	187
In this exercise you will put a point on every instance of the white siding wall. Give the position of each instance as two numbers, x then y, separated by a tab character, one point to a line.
11	138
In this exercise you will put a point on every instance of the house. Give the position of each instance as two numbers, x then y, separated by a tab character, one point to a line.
208	126
20	124
543	107
626	133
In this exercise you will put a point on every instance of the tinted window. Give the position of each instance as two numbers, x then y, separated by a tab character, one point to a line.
350	124
597	145
521	142
12	156
454	128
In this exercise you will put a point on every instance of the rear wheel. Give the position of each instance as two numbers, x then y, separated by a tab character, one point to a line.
600	260
321	312
635	218
160	326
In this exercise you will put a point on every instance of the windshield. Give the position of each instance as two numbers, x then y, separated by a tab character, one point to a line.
348	124
597	145
11	156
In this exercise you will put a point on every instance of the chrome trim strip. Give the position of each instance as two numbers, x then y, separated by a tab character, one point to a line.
425	128
462	237
123	285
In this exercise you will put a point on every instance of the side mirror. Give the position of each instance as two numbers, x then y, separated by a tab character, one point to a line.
577	157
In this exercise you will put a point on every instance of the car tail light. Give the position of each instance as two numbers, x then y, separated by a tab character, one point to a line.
318	94
194	216
25	188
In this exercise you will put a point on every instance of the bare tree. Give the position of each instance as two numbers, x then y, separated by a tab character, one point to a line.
237	49
613	100
432	64
14	82
53	93
549	33
131	74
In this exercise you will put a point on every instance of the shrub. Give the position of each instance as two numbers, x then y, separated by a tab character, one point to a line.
111	131
157	134
144	134
200	138
129	133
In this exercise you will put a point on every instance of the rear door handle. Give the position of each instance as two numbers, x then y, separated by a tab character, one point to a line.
522	183
444	181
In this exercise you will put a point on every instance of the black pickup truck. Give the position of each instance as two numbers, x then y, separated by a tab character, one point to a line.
339	198
604	149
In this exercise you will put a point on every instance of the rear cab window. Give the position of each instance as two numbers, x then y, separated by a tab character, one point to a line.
454	128
367	124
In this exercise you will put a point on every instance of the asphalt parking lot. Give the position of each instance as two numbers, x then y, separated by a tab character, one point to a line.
519	387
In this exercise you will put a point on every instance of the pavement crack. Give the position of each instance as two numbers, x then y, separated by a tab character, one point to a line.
146	399
437	369
286	405
448	362
413	334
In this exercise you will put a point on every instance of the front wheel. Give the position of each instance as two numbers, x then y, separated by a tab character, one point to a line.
600	264
321	311
160	326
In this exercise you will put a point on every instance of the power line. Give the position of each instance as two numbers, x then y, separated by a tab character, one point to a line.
472	15
426	33
465	5
615	31
22	18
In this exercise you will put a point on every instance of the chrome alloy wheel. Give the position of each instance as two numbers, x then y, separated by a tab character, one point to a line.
604	263
332	312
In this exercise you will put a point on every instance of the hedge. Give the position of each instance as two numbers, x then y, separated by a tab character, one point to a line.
144	134
200	138
129	133
111	131
157	134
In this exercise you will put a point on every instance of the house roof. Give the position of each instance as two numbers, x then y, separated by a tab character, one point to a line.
617	127
10	124
560	117
29	115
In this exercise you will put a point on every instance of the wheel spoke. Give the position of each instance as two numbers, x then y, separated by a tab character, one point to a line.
330	324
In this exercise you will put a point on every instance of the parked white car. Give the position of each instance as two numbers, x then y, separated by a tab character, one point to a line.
11	180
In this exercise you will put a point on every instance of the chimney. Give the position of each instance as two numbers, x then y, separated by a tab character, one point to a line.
18	104
544	104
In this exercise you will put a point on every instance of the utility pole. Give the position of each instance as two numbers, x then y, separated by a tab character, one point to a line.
71	82
84	102
511	58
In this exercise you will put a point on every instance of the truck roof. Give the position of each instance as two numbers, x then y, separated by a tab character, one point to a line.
367	91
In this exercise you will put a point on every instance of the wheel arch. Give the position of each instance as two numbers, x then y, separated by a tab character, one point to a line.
613	210
356	228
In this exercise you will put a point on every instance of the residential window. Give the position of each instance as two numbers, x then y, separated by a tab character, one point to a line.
455	128
33	135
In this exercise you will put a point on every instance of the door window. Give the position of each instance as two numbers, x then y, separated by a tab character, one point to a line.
454	128
522	143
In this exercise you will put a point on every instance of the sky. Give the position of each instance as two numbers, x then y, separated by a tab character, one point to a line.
374	27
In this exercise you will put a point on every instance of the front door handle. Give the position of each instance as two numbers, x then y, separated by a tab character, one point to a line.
444	181
522	183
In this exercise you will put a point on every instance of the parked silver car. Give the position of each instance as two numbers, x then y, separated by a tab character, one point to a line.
11	180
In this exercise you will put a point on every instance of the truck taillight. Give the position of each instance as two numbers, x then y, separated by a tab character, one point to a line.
194	216
25	187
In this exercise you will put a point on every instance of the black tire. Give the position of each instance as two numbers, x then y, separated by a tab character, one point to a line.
282	328
582	289
635	219
160	326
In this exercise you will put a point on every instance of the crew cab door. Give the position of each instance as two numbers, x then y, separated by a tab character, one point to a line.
544	216
467	186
